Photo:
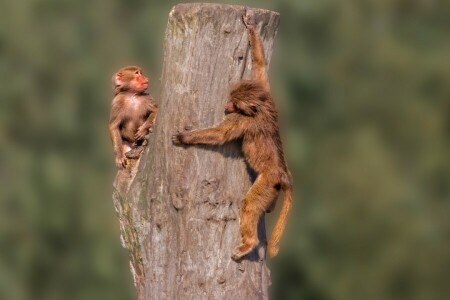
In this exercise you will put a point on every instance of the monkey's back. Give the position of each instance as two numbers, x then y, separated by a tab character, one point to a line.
262	146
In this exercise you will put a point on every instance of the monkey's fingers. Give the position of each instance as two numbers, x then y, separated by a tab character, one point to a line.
176	140
249	18
139	135
121	162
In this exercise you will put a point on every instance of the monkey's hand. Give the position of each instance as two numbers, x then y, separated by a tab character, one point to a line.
249	18
177	139
121	160
141	132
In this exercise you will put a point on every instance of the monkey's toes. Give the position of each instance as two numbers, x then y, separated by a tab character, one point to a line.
236	255
241	251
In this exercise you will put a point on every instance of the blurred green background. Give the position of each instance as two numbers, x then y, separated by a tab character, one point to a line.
364	92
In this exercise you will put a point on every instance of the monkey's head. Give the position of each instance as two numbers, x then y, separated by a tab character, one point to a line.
246	98
130	79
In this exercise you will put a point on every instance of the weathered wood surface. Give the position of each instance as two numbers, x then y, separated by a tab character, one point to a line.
179	207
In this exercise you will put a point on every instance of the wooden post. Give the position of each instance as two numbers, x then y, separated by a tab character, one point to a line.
179	207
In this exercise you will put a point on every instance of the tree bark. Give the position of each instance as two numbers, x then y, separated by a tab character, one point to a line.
178	207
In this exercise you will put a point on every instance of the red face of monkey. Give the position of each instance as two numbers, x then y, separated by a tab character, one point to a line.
230	108
131	79
139	82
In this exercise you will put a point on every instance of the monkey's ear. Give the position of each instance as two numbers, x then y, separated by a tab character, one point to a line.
118	79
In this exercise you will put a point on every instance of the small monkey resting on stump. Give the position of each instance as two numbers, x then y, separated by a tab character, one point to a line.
133	113
252	117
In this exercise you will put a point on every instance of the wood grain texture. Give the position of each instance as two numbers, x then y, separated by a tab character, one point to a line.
179	207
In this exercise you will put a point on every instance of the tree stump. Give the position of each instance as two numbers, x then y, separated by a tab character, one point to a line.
179	207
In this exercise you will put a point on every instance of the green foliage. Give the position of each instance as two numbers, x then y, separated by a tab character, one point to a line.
363	90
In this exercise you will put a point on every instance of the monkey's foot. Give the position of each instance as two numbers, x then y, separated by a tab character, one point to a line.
135	153
242	250
249	18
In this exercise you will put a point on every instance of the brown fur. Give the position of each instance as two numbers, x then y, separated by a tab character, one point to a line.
252	116
133	112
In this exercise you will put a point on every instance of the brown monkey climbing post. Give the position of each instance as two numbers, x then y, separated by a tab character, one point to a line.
179	208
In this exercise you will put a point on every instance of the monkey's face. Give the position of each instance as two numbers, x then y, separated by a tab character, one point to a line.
229	107
139	82
132	79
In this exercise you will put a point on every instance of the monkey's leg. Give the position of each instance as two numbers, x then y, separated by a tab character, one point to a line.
258	199
132	151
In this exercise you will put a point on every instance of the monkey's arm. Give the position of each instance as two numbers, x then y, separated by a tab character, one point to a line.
144	129
230	129
116	138
258	58
153	113
114	132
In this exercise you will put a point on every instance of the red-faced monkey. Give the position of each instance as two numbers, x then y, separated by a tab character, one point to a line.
133	112
252	117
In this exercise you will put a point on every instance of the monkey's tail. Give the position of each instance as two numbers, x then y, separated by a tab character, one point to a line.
274	241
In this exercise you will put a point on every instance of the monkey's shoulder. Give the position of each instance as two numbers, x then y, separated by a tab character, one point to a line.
149	101
118	100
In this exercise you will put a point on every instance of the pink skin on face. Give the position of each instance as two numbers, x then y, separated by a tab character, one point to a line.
141	82
229	107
